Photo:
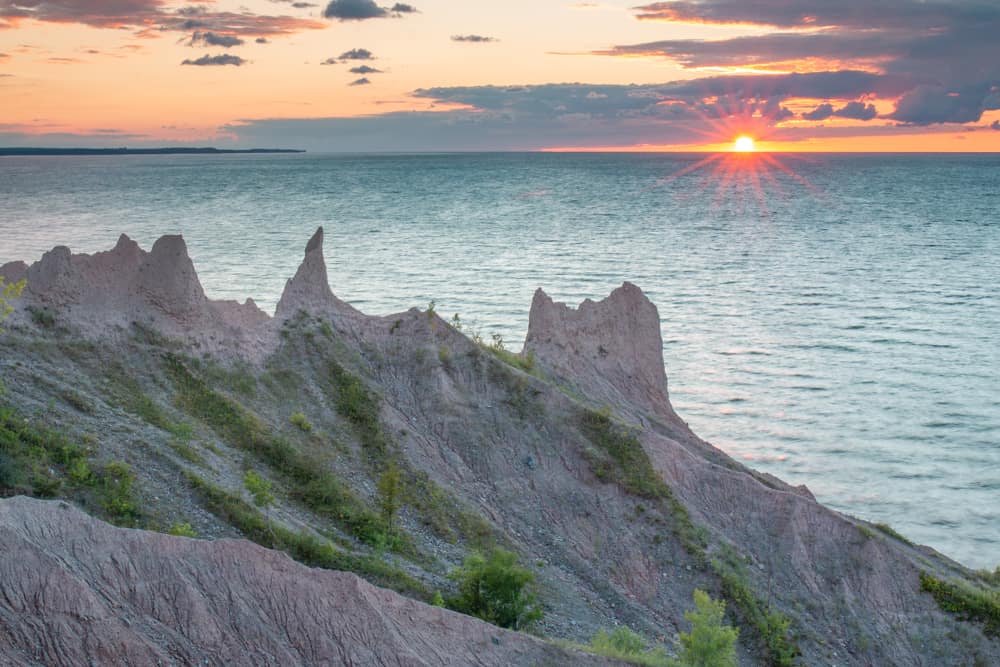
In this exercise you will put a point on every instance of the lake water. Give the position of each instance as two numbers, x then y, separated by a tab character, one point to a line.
833	320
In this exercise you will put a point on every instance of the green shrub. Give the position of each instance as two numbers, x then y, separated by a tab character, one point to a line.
182	530
303	547
300	420
43	318
114	486
259	488
710	643
771	627
389	490
9	292
965	601
496	589
437	600
624	644
79	472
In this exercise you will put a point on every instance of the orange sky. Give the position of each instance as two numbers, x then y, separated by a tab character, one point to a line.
102	84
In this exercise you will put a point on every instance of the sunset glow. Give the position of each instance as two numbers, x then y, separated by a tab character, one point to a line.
743	144
354	75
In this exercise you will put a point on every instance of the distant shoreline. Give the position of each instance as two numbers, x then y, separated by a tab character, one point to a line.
6	152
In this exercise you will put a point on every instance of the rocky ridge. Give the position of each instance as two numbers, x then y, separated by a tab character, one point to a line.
570	453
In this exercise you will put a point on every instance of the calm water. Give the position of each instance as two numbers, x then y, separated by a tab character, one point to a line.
840	328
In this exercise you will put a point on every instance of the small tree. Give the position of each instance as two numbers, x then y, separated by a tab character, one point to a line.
389	487
710	643
9	292
497	590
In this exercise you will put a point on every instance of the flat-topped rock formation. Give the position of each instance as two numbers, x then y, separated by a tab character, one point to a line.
615	342
76	591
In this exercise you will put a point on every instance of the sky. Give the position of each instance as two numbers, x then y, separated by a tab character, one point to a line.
467	75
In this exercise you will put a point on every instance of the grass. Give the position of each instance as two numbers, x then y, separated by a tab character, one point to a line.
891	532
302	546
966	601
187	452
771	627
182	530
299	419
308	483
437	508
259	488
43	318
361	407
617	457
525	362
45	463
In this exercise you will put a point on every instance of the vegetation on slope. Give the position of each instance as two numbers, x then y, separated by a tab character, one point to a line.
45	463
617	457
968	602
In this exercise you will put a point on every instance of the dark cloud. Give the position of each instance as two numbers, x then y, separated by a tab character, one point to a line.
365	69
330	61
214	39
216	61
822	112
231	23
857	111
296	5
476	39
929	104
357	54
949	50
361	10
148	15
762	92
995	125
859	14
262	40
363	81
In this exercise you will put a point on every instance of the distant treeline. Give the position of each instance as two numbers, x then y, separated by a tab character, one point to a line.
140	151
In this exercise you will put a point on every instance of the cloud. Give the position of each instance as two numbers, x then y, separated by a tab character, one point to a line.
929	104
357	54
995	125
216	61
361	10
822	112
262	40
149	16
857	111
949	51
365	69
363	81
476	39
214	39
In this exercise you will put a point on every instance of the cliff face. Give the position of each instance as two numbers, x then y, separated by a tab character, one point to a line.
570	454
77	591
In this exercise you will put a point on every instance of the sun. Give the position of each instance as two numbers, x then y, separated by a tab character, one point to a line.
743	144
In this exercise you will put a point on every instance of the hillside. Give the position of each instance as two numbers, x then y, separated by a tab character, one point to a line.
131	394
